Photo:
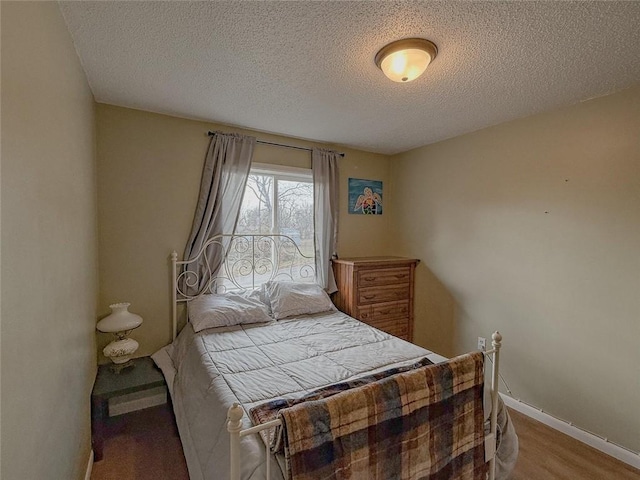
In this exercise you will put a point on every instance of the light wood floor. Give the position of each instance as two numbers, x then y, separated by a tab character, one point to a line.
144	446
548	454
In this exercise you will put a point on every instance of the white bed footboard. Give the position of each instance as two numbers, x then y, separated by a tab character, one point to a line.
234	426
236	412
490	443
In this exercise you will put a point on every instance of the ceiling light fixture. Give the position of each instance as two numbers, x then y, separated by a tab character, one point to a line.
405	60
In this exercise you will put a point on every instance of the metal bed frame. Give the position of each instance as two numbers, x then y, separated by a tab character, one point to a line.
240	262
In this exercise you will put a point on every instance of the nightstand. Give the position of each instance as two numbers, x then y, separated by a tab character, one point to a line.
144	375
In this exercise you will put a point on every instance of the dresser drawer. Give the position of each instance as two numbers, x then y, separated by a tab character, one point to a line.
389	293
384	311
386	276
398	327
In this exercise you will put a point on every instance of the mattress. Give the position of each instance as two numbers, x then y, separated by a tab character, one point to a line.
250	364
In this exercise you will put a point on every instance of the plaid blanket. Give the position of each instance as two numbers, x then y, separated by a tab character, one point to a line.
423	423
268	411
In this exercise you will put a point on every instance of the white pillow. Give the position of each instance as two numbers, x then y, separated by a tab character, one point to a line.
288	299
224	310
259	294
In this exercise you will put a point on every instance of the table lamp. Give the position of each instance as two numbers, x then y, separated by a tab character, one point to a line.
120	322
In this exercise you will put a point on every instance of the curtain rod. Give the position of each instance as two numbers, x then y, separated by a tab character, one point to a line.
211	134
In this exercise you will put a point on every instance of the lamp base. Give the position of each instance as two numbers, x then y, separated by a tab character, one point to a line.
121	351
118	367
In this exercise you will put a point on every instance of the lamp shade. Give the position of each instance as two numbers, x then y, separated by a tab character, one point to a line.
120	320
407	59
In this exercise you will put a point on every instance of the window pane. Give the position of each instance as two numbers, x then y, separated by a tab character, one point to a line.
295	213
275	202
256	213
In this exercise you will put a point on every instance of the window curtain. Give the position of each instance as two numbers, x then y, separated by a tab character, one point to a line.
324	165
224	177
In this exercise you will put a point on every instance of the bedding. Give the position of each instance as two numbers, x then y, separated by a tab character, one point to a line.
251	364
268	411
226	309
288	299
380	429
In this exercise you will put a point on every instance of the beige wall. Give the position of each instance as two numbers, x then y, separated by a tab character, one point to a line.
533	228
49	247
149	169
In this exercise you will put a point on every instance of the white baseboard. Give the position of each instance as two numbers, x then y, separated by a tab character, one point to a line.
627	456
87	474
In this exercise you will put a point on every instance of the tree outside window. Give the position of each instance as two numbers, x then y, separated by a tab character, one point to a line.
279	201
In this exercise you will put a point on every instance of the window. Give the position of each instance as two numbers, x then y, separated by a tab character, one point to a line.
279	200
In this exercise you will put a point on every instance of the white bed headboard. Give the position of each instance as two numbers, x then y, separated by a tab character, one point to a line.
246	262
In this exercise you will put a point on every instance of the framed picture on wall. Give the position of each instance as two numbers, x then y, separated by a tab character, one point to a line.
365	196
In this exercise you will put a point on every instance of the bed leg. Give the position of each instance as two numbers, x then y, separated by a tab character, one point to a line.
496	344
234	425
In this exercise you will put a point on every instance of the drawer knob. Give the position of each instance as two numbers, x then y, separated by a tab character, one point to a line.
369	279
369	297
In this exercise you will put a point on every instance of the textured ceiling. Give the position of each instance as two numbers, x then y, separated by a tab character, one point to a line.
305	69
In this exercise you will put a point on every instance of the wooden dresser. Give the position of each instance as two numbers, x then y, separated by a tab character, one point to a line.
377	291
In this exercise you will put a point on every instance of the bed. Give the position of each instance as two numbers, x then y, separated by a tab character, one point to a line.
220	374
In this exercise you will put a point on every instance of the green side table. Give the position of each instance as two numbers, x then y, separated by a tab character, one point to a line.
144	375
